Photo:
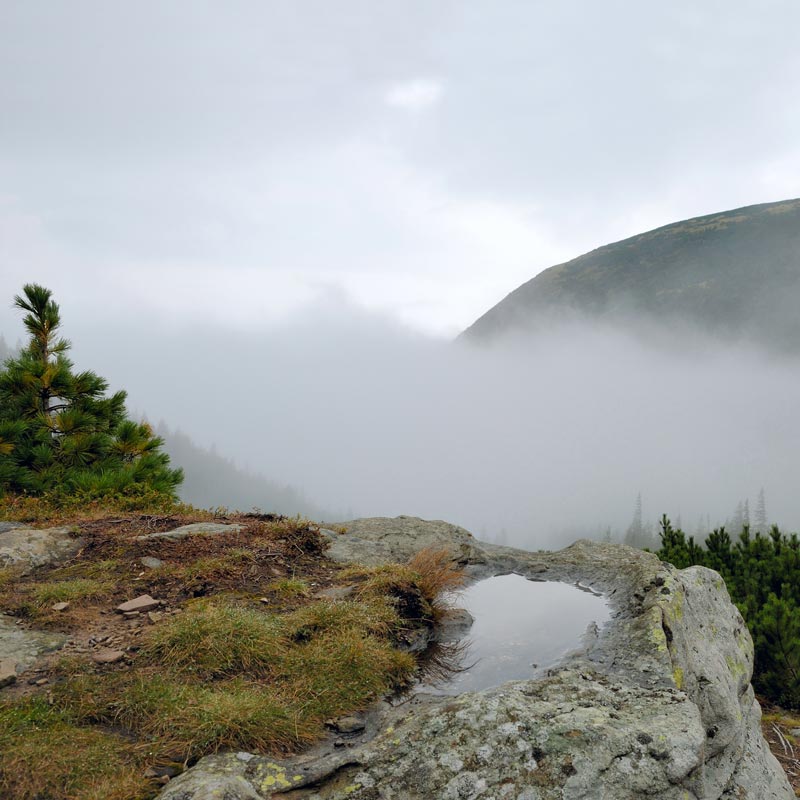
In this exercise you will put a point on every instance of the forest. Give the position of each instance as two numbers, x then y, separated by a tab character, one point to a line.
762	573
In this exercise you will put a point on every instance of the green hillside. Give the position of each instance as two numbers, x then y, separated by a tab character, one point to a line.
734	274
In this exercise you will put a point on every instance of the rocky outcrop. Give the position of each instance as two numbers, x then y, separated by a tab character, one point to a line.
27	548
658	703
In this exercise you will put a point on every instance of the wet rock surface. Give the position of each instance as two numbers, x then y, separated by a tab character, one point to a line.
21	647
27	548
657	703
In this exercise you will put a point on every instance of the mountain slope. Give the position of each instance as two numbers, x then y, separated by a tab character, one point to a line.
735	273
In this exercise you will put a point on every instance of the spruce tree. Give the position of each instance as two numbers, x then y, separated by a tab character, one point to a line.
59	433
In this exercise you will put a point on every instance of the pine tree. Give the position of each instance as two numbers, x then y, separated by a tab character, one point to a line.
760	521
59	432
736	524
635	535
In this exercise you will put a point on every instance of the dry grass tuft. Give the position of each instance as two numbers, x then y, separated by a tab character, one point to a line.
419	588
438	575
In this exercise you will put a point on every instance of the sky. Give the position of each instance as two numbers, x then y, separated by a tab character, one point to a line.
269	220
243	163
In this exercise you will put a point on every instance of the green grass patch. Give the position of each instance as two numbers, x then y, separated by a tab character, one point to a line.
70	591
46	755
223	676
214	640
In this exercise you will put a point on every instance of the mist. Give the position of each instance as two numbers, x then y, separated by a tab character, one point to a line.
535	441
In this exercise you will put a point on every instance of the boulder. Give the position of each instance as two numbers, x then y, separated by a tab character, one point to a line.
28	548
195	529
657	703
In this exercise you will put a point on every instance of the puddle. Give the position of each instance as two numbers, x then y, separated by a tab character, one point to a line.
521	628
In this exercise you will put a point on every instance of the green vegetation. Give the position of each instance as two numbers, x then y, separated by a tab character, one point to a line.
47	754
763	577
221	670
222	675
60	435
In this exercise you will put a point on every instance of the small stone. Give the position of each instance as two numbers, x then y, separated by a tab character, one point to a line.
8	672
348	724
142	603
154	616
60	607
130	614
41	682
108	656
151	563
264	600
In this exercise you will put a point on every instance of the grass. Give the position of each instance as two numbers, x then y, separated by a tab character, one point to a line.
213	641
419	588
71	591
57	509
289	588
39	745
227	672
233	562
224	676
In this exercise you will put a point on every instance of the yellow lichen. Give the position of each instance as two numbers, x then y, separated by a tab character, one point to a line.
677	676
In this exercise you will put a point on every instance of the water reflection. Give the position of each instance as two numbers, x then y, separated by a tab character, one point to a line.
521	628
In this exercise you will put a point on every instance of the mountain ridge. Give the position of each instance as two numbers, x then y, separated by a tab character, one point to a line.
733	272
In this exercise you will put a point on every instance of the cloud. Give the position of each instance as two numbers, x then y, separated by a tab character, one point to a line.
415	96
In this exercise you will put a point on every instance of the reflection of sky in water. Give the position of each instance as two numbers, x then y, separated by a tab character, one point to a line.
521	627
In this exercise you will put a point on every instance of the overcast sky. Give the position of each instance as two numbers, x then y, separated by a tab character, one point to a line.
243	161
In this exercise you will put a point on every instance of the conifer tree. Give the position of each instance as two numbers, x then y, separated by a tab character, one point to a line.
760	521
59	432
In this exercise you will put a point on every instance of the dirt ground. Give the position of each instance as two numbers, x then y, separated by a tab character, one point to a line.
778	726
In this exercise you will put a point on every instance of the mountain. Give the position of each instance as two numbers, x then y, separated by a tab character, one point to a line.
732	274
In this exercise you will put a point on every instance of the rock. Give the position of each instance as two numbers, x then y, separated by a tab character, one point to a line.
347	724
25	646
151	563
28	548
8	672
139	604
335	593
453	626
658	703
381	540
41	682
107	656
195	529
154	616
60	606
10	526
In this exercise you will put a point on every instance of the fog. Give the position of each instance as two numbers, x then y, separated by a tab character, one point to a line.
536	442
